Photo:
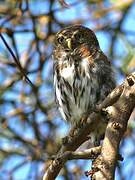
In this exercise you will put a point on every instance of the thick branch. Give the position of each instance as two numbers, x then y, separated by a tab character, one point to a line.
119	114
82	134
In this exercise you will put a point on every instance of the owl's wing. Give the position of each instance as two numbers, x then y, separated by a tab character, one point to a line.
106	76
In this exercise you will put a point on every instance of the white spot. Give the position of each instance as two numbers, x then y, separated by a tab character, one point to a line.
85	65
68	73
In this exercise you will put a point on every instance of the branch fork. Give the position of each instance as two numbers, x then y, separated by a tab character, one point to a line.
119	105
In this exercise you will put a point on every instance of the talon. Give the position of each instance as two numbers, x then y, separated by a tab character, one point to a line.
83	120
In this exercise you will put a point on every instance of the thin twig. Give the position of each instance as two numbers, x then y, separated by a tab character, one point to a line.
18	63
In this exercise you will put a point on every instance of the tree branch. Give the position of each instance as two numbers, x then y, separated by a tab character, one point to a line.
119	114
124	98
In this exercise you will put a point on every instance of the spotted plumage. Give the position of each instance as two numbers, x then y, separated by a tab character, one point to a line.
82	73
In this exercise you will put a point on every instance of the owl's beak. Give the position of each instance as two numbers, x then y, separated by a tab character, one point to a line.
69	44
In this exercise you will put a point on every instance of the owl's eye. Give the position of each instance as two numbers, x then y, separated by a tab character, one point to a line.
60	39
78	36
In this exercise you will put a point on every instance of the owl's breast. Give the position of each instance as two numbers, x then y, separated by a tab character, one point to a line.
76	69
68	72
75	91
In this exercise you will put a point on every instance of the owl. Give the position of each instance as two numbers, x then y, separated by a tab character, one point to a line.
83	74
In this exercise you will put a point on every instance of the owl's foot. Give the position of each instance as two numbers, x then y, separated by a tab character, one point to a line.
82	122
77	126
72	133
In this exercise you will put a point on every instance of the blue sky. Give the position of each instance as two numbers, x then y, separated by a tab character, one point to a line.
46	90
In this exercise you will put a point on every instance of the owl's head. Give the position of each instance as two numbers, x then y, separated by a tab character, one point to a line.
72	37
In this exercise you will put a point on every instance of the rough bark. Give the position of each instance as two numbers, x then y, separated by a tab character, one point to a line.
119	104
119	114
